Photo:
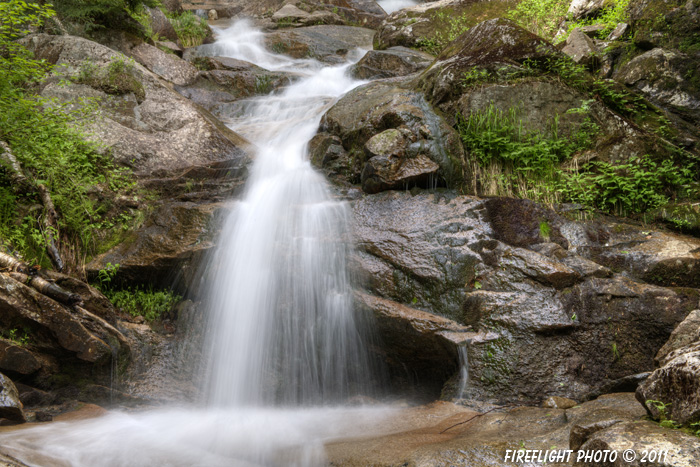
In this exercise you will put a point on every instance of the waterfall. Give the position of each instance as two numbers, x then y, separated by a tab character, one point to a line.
391	6
283	342
281	325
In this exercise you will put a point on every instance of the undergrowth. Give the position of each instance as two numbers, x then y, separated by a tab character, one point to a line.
137	301
46	139
512	161
190	29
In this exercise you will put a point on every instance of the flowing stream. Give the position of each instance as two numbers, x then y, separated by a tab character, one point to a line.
391	6
285	349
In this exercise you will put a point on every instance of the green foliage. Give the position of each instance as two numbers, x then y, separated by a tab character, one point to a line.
545	230
511	161
614	12
636	186
95	14
541	17
149	303
448	28
45	138
19	337
117	78
190	29
136	301
263	84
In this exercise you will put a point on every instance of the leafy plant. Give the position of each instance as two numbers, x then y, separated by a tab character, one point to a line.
541	17
190	29
20	338
149	303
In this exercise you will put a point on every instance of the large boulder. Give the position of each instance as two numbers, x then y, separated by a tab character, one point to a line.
430	25
327	43
395	61
166	65
394	138
559	324
672	392
668	78
145	124
492	45
226	80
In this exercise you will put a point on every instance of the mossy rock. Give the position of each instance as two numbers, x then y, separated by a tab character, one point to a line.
683	217
671	24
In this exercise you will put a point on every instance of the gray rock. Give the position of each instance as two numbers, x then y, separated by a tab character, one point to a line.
665	77
619	32
643	436
168	66
685	334
580	47
580	9
395	61
326	43
290	12
152	128
18	359
160	24
10	405
371	109
555	402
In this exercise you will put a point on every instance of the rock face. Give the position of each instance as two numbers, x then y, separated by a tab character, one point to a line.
428	23
418	144
668	78
580	47
492	44
330	44
555	322
395	61
226	80
672	392
150	128
10	405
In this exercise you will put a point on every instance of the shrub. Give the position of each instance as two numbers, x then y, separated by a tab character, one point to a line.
190	29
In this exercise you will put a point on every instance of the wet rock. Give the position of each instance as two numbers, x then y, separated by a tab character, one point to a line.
10	405
168	247
89	340
228	80
672	392
167	66
491	44
521	222
151	128
419	348
379	106
683	217
656	257
395	61
365	12
160	24
668	78
327	43
644	436
555	402
685	334
428	24
580	47
389	167
17	359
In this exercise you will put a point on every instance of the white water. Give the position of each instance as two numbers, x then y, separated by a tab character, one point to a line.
281	331
391	6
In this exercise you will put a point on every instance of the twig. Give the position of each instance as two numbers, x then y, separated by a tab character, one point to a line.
14	265
17	178
51	226
477	416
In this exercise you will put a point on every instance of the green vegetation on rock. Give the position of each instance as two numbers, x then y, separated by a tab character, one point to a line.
190	29
46	140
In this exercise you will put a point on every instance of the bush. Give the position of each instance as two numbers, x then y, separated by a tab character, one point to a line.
94	14
190	29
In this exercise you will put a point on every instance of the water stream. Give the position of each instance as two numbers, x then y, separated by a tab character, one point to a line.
285	349
391	6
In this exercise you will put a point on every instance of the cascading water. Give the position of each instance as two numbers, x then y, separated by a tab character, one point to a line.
391	6
281	327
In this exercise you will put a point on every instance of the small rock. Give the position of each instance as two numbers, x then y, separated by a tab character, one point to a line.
289	12
10	405
620	30
212	15
556	402
593	30
580	47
